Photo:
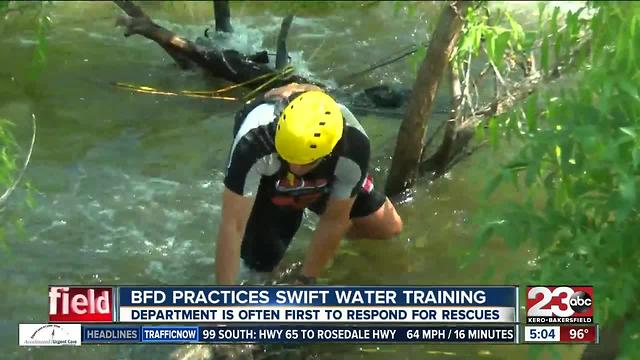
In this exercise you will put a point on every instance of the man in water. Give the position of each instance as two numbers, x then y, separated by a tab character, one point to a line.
296	148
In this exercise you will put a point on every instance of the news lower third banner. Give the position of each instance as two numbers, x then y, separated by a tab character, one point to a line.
296	334
316	304
313	314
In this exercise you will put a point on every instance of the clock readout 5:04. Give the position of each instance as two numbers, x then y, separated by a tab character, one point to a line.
542	334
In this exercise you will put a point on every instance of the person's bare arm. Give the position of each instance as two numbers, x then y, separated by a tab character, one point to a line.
332	226
235	213
284	92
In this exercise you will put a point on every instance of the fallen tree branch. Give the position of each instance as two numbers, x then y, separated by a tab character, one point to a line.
464	154
465	131
250	72
226	64
130	8
12	188
137	21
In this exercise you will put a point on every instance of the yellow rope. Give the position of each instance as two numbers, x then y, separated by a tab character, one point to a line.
144	89
212	97
150	90
210	94
263	76
282	74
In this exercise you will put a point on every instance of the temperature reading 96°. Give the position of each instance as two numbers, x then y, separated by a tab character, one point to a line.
578	334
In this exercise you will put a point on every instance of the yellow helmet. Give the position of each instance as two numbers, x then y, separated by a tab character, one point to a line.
308	128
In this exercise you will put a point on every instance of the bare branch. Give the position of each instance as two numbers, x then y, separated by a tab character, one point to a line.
466	94
437	163
137	22
12	188
282	56
222	15
130	8
412	50
524	88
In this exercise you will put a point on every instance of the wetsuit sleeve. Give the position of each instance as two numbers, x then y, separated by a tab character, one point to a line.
245	165
352	166
244	171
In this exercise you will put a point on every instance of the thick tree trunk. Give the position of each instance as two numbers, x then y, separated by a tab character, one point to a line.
609	347
406	158
222	15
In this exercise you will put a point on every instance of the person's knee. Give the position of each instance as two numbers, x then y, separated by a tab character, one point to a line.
385	224
396	229
393	223
388	231
393	229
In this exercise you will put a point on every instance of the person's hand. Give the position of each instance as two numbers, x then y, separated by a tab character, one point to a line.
284	92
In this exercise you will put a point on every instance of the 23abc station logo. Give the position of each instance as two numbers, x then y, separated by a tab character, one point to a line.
571	303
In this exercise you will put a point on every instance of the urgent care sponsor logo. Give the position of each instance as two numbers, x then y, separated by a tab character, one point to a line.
50	334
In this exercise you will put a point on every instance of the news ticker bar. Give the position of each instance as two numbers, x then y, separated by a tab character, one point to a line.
267	334
77	334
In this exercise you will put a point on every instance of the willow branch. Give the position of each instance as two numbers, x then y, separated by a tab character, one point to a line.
12	188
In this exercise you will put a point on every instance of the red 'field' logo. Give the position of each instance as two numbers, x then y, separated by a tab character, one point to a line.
80	304
559	304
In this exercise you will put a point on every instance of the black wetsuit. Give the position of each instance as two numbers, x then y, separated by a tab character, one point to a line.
255	169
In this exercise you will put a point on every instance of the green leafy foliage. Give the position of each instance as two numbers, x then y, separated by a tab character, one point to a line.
497	34
578	158
10	151
8	169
